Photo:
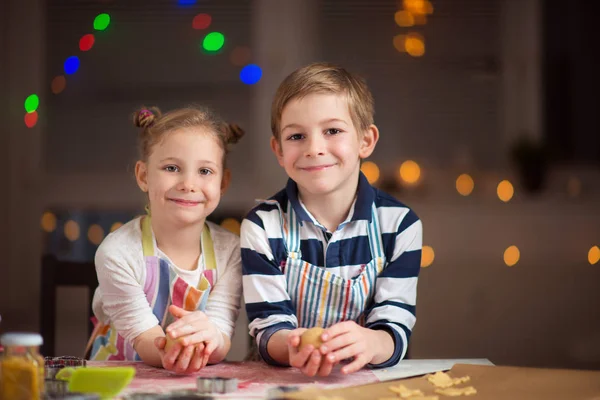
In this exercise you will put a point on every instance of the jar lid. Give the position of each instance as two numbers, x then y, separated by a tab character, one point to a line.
21	339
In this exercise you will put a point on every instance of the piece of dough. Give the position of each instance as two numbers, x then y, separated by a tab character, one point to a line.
312	336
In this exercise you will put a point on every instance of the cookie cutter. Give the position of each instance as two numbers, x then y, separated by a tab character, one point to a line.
216	385
54	364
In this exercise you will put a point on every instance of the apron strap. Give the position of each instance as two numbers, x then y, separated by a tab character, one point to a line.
290	230
208	249
147	242
374	233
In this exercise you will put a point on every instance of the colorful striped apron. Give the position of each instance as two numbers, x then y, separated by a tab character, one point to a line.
162	287
320	297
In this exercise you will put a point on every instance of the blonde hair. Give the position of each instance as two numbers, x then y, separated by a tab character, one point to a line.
325	78
155	126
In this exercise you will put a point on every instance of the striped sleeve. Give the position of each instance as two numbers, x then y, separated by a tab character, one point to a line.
394	305
268	303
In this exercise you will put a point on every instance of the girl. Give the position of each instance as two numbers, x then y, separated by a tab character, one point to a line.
170	282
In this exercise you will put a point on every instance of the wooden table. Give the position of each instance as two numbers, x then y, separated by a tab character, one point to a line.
256	378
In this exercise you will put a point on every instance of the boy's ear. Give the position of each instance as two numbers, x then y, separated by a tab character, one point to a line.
276	148
368	141
225	181
141	175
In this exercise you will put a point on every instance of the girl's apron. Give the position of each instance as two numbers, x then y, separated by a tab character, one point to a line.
320	297
162	287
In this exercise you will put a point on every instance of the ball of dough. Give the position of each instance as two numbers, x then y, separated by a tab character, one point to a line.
170	343
312	336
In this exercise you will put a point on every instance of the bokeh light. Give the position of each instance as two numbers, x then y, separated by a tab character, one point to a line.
505	191
512	256
48	222
240	56
594	255
213	41
95	234
186	3
232	225
250	74
404	18
86	42
371	171
72	230
101	22
71	65
414	44
418	6
427	256
31	119
116	226
58	84
399	43
465	184
201	21
32	102
410	172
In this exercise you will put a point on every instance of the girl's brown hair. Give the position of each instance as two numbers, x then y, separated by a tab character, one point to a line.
155	126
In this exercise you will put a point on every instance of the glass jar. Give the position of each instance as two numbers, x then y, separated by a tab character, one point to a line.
21	367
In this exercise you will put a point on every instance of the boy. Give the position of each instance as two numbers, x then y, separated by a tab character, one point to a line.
329	250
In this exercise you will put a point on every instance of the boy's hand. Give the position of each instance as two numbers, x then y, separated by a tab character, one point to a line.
348	339
310	361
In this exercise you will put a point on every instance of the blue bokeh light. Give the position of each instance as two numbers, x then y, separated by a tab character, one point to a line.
71	65
251	74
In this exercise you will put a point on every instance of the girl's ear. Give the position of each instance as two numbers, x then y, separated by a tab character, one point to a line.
368	141
141	175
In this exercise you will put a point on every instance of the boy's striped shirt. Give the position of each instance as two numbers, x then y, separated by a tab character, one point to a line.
343	253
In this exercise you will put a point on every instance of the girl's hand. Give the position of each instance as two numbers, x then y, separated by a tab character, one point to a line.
179	358
193	328
310	361
349	340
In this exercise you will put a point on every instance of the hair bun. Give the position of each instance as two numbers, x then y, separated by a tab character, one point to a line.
234	133
145	117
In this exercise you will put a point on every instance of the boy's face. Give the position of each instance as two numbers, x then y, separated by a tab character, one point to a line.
319	146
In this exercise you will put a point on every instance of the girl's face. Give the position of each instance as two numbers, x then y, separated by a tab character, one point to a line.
184	176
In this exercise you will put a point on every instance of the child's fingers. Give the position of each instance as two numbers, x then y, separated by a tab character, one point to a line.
183	361
196	362
187	324
312	366
293	338
338	342
327	364
337	329
210	347
178	312
197	338
347	352
170	357
298	359
355	365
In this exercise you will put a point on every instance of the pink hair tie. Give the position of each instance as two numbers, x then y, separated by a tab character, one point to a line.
145	113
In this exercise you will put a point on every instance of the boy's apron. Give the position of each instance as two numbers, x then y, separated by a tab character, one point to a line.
162	287
320	297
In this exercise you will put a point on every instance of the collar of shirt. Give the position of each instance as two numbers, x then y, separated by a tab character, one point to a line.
360	210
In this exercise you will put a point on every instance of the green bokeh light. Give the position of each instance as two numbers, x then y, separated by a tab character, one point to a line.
213	41
101	22
31	103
